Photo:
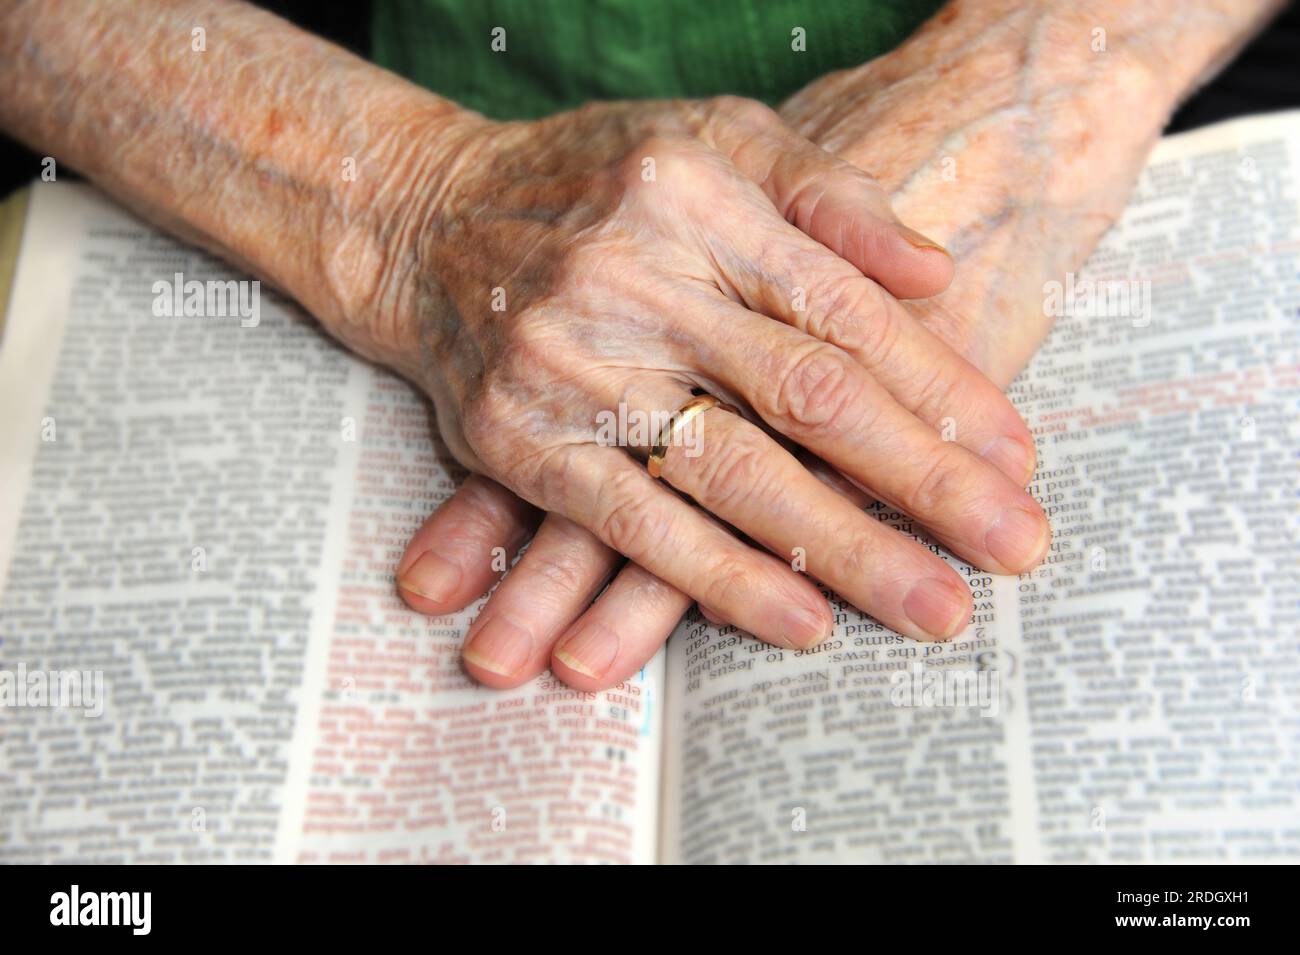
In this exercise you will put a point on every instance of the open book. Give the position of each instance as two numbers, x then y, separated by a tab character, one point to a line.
200	518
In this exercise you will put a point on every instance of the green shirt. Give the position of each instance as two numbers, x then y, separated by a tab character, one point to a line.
559	54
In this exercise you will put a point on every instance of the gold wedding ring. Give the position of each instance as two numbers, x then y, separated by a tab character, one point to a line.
697	405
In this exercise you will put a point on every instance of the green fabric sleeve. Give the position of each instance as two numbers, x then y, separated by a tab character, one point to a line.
561	53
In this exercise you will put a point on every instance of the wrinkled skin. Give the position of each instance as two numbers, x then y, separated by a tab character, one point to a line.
752	263
1018	201
645	249
533	276
1019	182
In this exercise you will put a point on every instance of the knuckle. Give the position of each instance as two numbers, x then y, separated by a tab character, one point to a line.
939	395
728	584
816	388
861	557
734	469
506	409
942	482
628	520
485	422
879	558
881	334
588	267
495	426
852	314
562	569
675	161
790	265
530	355
742	109
528	343
549	474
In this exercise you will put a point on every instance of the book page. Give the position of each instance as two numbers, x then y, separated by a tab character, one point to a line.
1135	699
401	757
202	656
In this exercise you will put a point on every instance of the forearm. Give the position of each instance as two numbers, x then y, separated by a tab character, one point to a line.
268	145
1012	132
1176	44
1183	43
1063	63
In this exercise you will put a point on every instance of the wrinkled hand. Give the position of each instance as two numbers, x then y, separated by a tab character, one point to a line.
532	276
1017	171
618	289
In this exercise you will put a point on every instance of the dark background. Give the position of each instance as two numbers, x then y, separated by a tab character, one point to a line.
332	908
1265	77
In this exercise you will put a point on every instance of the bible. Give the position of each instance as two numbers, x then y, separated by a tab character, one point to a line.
203	657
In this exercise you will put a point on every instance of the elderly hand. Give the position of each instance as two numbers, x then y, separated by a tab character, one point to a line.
610	260
999	131
535	278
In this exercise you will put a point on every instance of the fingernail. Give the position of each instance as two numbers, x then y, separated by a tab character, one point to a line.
1013	458
803	628
431	576
937	607
500	646
1017	540
920	241
590	651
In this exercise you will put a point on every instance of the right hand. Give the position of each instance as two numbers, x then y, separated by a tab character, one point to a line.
744	265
